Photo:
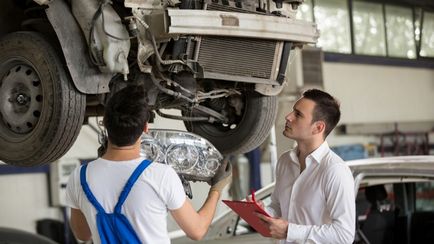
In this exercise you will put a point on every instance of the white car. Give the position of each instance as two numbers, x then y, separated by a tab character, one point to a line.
402	188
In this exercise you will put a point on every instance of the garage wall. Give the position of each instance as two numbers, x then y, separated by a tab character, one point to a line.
376	94
24	200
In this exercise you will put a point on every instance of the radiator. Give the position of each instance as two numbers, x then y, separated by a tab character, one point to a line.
240	57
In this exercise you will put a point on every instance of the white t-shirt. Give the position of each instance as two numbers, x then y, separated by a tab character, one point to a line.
319	203
157	190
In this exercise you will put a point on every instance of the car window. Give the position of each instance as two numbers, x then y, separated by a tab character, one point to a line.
424	196
364	203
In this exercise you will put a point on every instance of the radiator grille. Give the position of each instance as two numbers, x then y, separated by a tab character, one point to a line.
235	56
229	8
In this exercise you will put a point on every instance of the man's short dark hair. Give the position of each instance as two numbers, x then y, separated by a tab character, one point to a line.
125	115
327	108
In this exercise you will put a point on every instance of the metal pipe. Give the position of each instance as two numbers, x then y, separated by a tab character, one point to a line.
168	91
157	53
154	45
184	118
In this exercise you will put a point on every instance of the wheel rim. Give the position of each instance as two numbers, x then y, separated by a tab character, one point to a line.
21	97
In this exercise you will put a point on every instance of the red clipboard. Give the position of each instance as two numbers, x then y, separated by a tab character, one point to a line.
246	211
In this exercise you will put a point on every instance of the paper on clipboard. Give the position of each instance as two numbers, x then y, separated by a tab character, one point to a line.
246	211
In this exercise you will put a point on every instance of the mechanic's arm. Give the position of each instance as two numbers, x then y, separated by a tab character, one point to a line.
196	224
79	225
341	204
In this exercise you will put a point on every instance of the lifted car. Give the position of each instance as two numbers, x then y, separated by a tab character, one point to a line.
220	62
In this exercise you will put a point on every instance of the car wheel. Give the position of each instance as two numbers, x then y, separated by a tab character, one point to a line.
249	126
41	112
15	236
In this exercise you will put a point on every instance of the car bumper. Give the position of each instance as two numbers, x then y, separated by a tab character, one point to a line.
231	24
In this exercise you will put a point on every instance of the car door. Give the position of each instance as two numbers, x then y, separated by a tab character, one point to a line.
404	214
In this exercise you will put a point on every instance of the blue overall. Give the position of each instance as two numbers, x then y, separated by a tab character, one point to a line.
114	227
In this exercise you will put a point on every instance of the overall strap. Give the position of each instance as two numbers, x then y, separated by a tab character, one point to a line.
127	188
87	191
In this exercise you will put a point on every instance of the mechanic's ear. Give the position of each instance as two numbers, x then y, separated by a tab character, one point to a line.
146	128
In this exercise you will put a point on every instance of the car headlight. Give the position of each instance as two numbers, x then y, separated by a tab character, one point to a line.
190	155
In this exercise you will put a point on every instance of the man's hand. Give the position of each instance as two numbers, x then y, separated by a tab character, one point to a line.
260	203
278	227
222	177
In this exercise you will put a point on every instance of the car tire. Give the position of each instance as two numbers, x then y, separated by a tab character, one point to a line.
15	236
258	116
41	112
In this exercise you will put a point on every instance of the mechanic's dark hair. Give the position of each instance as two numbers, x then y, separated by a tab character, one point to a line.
327	109
125	115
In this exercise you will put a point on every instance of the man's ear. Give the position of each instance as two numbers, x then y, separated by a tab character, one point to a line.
319	127
146	128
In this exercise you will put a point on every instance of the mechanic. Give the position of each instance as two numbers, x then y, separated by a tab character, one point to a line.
313	199
157	190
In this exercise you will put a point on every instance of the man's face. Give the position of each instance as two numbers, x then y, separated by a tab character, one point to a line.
299	124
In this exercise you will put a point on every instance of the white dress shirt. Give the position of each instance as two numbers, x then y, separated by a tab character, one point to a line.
319	203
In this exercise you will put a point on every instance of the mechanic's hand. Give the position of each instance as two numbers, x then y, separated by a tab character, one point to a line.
278	227
222	177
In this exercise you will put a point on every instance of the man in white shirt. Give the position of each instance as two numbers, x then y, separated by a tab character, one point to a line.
313	200
157	191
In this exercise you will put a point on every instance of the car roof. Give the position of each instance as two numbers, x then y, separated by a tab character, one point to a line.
402	165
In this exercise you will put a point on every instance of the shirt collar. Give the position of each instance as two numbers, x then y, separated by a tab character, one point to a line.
316	155
320	152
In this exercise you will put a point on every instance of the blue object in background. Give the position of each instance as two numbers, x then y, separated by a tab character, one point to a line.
351	151
254	158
